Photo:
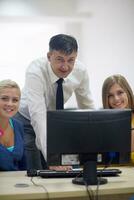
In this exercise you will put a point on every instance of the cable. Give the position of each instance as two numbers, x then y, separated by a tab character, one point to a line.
89	192
99	178
97	188
112	155
40	185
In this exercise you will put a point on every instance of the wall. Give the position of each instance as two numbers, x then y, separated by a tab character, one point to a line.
108	41
104	29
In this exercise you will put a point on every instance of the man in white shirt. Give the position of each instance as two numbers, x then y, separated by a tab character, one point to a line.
39	93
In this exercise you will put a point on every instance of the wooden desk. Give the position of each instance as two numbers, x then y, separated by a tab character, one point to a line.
121	187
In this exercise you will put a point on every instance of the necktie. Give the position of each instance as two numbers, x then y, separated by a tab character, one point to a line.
59	95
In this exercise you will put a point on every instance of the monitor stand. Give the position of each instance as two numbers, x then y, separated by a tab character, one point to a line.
89	175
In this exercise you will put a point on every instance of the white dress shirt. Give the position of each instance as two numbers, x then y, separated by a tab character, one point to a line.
39	94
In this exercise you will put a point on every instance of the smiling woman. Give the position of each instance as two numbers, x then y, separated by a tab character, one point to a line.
117	94
11	131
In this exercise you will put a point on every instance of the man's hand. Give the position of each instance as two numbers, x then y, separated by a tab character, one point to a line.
60	168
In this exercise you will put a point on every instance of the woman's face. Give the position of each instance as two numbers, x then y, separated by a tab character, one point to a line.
9	102
117	97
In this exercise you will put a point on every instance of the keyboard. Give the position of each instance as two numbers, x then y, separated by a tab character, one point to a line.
75	173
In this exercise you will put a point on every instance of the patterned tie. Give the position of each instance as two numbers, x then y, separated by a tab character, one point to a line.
59	95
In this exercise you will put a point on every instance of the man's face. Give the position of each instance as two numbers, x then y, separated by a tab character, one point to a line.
61	64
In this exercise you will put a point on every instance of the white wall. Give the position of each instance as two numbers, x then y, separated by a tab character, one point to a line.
108	41
104	29
20	43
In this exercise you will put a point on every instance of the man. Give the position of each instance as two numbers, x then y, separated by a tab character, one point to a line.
39	93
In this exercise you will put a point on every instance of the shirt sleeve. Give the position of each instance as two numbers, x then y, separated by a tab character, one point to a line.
37	108
83	93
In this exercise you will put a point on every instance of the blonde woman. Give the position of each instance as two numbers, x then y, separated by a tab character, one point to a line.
117	94
11	130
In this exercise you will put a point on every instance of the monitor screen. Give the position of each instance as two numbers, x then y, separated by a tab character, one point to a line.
88	132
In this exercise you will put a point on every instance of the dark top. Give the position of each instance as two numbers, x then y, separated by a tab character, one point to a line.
15	160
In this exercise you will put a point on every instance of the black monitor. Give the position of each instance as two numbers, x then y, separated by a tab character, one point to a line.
87	133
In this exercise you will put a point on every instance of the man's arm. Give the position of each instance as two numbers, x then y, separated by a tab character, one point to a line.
83	94
37	108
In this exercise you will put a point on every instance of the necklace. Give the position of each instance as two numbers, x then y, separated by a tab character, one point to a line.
3	129
1	132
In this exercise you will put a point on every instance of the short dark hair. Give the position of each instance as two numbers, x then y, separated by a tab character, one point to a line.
64	43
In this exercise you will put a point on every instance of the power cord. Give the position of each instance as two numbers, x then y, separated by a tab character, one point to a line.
40	185
91	195
89	192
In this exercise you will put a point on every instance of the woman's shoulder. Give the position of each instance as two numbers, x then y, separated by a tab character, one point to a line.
16	121
18	128
17	125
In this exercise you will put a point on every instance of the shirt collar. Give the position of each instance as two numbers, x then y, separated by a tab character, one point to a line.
52	75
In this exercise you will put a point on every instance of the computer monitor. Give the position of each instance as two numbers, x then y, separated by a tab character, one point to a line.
87	132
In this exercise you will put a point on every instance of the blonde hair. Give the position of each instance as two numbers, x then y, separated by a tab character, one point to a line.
123	83
7	83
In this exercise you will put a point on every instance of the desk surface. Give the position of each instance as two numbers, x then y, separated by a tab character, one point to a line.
121	187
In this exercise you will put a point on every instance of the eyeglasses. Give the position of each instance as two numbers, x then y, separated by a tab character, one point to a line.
7	99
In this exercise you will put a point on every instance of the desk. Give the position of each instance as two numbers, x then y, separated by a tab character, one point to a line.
121	187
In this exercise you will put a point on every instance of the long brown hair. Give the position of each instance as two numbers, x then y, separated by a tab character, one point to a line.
123	83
